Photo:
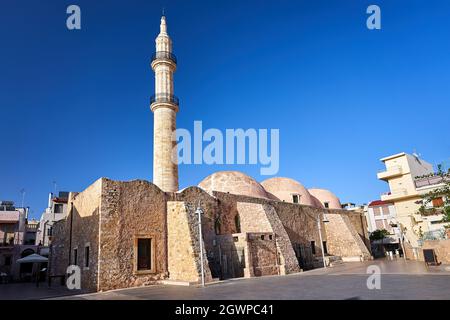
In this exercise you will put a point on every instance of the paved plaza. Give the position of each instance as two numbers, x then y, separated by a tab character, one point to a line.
399	280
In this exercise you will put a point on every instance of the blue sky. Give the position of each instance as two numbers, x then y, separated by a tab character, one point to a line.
75	104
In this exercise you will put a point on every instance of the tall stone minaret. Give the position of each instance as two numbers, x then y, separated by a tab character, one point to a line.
164	106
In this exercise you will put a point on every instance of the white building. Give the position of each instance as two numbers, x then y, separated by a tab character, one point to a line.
55	211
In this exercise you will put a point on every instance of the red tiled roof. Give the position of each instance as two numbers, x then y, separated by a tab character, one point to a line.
379	203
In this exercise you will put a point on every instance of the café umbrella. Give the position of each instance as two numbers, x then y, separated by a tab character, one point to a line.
33	258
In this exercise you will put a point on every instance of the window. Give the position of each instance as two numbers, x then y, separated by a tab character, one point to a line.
262	237
295	198
144	253
75	256
7	260
86	257
313	247
376	211
237	222
326	204
325	249
59	208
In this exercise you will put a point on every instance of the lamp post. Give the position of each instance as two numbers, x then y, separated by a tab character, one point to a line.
319	226
199	213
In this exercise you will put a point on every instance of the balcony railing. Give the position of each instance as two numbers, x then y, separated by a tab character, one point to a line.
164	55
389	172
430	181
164	98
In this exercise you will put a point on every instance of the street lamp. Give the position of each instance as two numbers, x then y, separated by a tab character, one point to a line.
199	213
319	226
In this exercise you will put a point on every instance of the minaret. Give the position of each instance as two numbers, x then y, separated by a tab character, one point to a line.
164	106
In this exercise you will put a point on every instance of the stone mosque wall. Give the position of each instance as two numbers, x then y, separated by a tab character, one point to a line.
242	235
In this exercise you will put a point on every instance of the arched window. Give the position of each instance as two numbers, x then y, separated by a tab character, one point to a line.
237	223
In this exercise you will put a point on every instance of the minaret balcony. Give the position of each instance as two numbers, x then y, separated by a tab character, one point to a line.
164	98
164	55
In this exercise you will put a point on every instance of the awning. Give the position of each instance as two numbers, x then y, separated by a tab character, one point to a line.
32	258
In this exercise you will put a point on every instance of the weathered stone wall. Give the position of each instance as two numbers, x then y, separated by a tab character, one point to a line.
300	223
343	240
228	246
184	263
83	220
359	222
257	217
193	197
441	249
130	210
59	249
262	249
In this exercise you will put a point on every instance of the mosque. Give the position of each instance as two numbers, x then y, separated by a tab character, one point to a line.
125	234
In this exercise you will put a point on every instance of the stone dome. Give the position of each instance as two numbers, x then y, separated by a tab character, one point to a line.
316	202
234	182
285	188
324	196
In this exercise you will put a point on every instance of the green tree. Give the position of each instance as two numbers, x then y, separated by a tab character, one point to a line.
378	234
441	192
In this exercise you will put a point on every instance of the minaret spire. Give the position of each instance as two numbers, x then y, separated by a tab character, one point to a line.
163	25
164	106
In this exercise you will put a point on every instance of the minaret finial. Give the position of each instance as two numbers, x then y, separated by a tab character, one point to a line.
163	26
163	11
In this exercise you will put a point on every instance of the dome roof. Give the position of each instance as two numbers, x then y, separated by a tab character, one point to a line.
285	188
234	182
324	196
316	202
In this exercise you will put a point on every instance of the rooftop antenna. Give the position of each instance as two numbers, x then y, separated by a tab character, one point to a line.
54	187
22	191
417	155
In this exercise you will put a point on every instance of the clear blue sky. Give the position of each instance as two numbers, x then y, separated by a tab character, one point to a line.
75	104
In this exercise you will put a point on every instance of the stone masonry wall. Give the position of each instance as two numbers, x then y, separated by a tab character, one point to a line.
184	263
262	249
131	210
343	240
83	219
441	249
263	218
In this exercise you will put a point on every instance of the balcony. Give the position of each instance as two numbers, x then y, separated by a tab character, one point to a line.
164	55
395	194
164	98
430	181
390	172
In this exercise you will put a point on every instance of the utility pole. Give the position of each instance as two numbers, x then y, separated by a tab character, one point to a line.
321	242
22	191
199	213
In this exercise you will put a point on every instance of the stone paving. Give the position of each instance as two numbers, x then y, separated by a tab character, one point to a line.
399	280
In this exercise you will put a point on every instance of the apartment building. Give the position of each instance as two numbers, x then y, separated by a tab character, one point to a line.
404	174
